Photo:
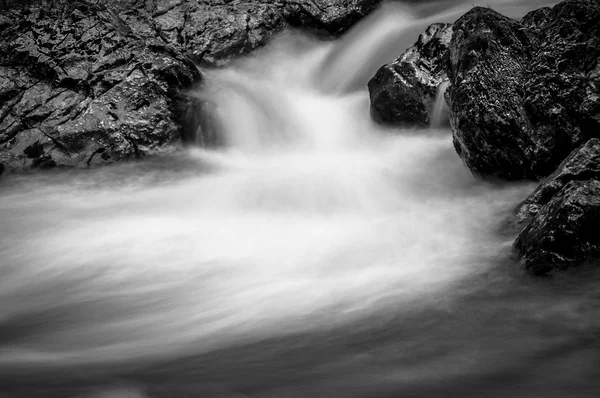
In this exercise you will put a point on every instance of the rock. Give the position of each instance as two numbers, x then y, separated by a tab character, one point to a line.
79	88
332	17
403	92
581	165
523	95
488	56
213	33
564	233
562	84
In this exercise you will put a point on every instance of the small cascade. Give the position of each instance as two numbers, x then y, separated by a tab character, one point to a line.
439	113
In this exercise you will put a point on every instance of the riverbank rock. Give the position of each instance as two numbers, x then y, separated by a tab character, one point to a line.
581	165
524	94
404	91
78	87
214	33
564	233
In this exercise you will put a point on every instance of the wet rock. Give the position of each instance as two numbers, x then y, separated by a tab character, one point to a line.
403	92
213	33
524	94
581	165
76	80
488	57
562	84
332	17
564	233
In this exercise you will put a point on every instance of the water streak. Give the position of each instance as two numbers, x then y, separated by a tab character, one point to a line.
439	114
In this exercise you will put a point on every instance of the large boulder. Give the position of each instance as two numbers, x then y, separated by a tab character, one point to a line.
79	87
564	233
581	165
404	91
524	94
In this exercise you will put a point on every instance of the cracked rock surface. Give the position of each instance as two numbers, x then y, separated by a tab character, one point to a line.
78	87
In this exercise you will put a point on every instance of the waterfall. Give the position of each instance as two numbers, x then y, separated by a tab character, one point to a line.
439	113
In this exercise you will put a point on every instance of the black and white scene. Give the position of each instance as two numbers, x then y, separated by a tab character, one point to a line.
299	198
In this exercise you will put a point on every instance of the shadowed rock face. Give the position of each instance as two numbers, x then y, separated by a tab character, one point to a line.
402	92
523	95
89	82
565	230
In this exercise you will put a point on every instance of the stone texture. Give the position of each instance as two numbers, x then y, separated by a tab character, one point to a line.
564	233
403	91
79	87
523	95
581	165
215	32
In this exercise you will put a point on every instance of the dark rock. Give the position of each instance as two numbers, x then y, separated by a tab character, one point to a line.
562	85
564	233
523	95
74	79
213	33
403	92
581	165
488	57
332	17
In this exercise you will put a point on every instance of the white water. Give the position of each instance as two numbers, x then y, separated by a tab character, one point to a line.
312	217
439	113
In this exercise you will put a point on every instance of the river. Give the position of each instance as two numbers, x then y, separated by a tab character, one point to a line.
314	254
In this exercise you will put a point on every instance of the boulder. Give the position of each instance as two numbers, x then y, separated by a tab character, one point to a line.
404	91
488	56
564	232
562	83
79	87
523	95
581	165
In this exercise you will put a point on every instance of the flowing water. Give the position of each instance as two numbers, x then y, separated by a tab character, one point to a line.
314	255
439	114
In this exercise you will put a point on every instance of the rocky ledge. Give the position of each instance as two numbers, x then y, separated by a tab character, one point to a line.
78	87
89	82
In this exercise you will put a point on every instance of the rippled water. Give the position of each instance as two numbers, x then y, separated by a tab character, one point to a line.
316	254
